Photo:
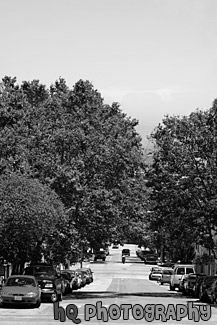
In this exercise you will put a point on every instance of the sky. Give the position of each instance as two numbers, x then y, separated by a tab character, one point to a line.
154	57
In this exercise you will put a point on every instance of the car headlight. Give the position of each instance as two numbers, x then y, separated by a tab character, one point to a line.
31	294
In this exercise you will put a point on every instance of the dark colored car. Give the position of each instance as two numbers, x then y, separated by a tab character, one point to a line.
83	277
100	255
21	289
196	287
50	281
73	278
150	259
125	252
88	274
207	289
190	283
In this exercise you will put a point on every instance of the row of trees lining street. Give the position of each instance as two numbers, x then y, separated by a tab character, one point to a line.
183	183
72	170
72	174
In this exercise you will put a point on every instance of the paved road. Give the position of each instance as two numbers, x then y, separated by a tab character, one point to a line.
115	285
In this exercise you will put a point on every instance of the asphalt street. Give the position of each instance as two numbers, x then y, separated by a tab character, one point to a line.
120	294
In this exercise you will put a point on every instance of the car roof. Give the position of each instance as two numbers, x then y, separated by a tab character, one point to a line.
183	265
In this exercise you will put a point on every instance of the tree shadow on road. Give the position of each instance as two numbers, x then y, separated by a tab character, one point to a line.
113	294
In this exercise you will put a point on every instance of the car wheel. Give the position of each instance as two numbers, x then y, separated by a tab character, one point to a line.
38	303
103	259
161	283
95	259
54	297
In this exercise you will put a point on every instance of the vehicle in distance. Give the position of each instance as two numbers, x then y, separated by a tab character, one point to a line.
125	252
50	281
150	259
100	255
83	277
73	278
88	274
155	275
21	289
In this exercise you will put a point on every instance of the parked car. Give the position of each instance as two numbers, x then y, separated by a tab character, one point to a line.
208	289
166	264
155	275
196	287
83	278
100	255
51	282
190	283
73	277
155	268
178	271
141	254
125	252
150	259
165	276
88	273
21	289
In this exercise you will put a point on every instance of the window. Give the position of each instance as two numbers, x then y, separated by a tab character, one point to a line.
189	270
181	270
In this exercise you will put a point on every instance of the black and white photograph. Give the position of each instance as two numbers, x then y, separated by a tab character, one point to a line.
108	162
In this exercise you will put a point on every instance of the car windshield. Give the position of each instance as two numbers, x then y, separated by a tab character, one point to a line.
20	281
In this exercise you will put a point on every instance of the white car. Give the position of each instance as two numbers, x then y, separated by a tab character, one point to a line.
155	275
178	271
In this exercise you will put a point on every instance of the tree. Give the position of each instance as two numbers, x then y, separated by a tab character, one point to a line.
30	214
183	181
88	152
